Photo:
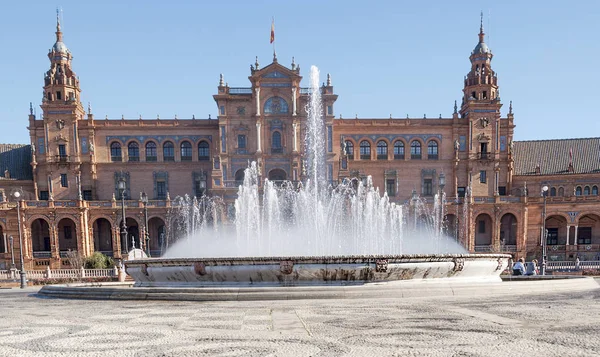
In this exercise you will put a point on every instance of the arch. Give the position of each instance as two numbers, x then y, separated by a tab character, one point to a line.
483	230
349	149
415	150
556	229
186	151
365	150
561	191
382	150
276	105
4	245
67	234
157	235
432	150
586	191
399	150
552	191
239	177
133	151
168	151
595	190
277	175
451	226
588	231
115	151
203	151
40	236
508	229
151	152
102	232
276	147
578	191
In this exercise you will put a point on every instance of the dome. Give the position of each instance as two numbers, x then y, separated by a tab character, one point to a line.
481	48
60	46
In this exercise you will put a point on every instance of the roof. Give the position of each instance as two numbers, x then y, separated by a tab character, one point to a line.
553	156
16	158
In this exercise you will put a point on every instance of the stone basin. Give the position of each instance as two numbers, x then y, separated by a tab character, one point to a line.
307	271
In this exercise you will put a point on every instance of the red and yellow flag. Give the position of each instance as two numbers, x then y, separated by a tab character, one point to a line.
272	31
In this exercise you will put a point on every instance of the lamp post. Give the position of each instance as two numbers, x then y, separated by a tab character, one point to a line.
12	251
18	197
122	187
544	232
147	233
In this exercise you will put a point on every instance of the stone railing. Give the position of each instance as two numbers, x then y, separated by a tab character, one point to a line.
572	265
60	274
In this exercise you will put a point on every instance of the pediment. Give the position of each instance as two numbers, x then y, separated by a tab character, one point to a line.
275	74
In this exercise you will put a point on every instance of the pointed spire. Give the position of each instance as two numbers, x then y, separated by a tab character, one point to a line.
58	32
256	64
89	108
328	80
293	63
455	108
221	81
510	108
30	108
481	33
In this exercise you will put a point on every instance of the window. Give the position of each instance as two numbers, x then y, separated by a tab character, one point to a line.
222	110
49	96
398	150
350	150
276	143
553	191
484	154
44	196
578	191
151	151
382	152
186	151
561	191
428	187
168	151
432	150
502	190
482	176
595	190
390	187
584	235
330	110
473	95
62	150
64	182
552	236
58	95
276	105
115	152
133	151
415	150
161	190
203	151
481	226
87	195
241	141
586	191
484	94
365	150
461	191
67	231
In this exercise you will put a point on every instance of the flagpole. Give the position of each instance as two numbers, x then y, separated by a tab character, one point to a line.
273	37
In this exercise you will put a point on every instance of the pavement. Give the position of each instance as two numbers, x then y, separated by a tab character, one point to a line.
550	323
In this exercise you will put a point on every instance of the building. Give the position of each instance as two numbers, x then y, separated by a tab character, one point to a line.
70	173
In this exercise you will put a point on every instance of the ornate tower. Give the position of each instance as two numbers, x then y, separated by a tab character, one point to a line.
57	153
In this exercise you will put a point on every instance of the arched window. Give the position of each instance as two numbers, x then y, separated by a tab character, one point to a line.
151	151
382	150
553	191
276	143
578	191
133	151
168	151
432	150
115	152
350	150
203	151
186	151
586	191
398	150
415	150
561	191
365	150
595	190
276	105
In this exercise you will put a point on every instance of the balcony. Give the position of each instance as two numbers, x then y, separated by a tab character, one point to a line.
42	254
276	150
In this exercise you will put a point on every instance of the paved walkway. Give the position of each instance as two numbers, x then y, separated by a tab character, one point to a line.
566	324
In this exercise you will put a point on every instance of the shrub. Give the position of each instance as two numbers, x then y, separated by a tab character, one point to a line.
98	261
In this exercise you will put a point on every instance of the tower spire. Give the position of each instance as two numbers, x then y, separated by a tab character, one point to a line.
481	33
58	31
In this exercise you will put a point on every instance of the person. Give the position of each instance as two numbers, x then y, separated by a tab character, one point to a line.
519	267
532	268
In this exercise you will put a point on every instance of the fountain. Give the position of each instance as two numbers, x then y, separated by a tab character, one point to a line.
309	233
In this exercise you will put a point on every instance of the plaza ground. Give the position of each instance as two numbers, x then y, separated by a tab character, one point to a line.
555	324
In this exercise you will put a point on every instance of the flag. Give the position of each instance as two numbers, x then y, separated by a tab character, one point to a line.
272	31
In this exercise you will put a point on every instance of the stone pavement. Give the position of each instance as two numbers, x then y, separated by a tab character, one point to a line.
553	324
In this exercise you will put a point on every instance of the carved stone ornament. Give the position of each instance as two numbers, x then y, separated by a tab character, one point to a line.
286	267
60	124
241	110
500	264
484	122
459	264
199	268
381	266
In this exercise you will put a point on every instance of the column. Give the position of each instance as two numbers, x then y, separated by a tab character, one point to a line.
575	238
294	103
257	90
258	132
295	128
568	231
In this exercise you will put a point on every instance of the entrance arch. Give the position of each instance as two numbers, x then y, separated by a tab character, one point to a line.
239	177
556	227
40	238
103	236
589	229
133	234
277	175
508	229
157	232
483	232
67	235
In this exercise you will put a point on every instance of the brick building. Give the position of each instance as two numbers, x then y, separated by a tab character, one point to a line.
69	175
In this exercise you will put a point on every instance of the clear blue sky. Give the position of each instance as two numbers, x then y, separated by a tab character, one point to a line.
398	57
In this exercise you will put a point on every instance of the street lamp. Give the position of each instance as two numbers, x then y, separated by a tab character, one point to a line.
147	233
18	197
544	232
122	187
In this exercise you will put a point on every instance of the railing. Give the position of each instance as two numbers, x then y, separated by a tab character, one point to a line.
509	248
42	254
573	265
60	274
484	248
305	90
240	90
155	253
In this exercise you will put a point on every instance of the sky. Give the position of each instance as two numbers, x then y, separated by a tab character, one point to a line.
394	57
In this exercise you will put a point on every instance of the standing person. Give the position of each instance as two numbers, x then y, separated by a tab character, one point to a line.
577	263
532	268
519	267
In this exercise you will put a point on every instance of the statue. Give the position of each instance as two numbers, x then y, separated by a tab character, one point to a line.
91	147
456	145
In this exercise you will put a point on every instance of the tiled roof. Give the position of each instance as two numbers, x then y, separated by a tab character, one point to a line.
17	159
553	156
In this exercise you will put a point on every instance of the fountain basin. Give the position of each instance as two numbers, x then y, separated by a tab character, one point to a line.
307	271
